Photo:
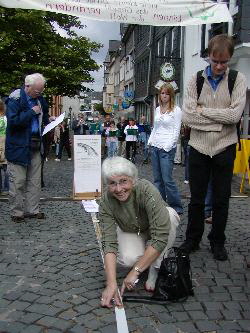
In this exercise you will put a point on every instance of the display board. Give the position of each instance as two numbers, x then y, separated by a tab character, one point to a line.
87	167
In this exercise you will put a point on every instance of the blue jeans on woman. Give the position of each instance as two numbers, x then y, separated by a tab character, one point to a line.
112	148
162	163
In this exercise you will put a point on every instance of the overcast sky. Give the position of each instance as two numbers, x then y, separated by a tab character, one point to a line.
102	32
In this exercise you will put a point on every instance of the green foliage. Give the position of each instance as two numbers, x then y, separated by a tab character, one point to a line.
30	43
99	107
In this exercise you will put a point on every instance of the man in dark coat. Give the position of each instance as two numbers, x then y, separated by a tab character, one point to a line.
27	113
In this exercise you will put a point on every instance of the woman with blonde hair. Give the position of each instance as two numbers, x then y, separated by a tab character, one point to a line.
163	140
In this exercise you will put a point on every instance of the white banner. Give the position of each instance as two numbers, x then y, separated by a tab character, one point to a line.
150	12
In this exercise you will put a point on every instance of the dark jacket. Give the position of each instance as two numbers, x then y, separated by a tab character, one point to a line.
18	132
77	128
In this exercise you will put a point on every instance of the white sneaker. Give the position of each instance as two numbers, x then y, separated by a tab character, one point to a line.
69	159
186	182
57	160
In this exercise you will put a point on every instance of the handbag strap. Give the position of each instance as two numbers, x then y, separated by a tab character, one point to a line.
181	273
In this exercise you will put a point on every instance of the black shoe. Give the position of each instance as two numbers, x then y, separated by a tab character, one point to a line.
189	246
219	252
39	216
18	219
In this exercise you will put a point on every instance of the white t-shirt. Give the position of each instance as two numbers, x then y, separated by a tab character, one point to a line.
166	129
130	137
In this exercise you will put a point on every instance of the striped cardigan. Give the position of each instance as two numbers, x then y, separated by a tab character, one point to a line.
214	128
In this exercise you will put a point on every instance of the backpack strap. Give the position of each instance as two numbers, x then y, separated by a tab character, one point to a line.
199	83
232	75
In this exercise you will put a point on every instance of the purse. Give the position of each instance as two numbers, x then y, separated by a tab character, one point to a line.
174	281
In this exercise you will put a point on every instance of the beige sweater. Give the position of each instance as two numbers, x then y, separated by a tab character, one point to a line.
214	129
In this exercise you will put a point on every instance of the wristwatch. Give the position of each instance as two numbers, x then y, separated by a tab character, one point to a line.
137	269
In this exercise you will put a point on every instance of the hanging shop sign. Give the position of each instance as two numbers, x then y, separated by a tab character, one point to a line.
167	71
150	12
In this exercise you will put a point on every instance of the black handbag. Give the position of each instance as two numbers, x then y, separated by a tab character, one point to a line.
174	281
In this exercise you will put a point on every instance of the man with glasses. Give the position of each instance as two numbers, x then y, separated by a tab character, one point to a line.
212	115
27	113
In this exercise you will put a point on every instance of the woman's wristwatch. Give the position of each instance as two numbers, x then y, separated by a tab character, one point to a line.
137	269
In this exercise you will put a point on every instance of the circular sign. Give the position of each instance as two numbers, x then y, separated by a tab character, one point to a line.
167	71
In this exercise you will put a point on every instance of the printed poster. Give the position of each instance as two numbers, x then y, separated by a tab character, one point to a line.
87	164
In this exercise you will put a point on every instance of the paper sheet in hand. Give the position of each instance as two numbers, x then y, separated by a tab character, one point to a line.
90	206
54	123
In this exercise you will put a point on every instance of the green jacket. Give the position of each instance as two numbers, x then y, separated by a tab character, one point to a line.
145	211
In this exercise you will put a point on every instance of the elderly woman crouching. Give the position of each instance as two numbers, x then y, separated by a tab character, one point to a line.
137	227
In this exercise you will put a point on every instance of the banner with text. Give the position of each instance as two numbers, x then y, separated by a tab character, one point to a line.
149	12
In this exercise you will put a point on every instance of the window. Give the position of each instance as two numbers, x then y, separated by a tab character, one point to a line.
165	46
131	62
172	41
218	28
158	47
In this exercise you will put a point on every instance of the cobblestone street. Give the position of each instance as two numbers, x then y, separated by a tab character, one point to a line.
51	273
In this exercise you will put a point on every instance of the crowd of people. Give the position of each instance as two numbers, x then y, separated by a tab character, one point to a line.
138	219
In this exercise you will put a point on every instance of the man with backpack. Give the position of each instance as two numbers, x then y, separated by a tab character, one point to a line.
213	105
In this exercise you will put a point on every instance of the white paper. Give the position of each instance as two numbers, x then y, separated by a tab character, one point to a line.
90	206
54	123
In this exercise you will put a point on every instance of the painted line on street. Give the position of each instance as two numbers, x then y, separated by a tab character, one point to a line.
120	315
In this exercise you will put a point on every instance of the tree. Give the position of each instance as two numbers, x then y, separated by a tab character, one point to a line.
30	43
99	108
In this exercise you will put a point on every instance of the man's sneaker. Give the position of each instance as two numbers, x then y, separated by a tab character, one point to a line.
189	246
219	252
39	216
69	159
18	219
186	182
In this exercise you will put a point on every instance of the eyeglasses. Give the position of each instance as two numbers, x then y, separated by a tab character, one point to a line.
215	62
38	92
121	182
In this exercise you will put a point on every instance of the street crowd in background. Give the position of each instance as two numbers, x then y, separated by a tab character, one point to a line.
205	128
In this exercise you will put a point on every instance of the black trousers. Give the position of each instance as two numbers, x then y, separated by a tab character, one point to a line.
65	144
221	168
129	145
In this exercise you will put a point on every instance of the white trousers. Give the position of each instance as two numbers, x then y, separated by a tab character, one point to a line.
131	246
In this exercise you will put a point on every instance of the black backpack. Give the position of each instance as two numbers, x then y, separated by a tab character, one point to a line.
232	75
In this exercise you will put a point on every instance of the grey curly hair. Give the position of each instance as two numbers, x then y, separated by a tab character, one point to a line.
118	166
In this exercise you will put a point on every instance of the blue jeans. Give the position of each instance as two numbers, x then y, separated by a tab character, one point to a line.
144	140
112	149
162	163
186	149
